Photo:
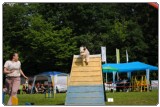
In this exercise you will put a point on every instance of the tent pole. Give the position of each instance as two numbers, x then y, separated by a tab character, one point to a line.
117	76
33	84
113	77
106	78
114	74
129	75
51	81
147	76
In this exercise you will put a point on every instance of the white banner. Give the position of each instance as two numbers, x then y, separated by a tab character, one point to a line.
127	59
154	84
103	53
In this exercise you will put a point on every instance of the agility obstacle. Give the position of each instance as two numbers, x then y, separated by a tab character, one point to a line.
85	86
14	101
139	84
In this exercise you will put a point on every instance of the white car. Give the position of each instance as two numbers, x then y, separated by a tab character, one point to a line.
61	88
61	83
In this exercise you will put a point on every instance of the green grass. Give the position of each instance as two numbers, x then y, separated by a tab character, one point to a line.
39	99
120	98
133	98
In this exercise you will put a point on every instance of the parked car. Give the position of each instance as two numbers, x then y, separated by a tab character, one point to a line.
61	83
61	88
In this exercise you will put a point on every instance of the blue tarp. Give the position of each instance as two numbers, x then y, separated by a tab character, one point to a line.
130	66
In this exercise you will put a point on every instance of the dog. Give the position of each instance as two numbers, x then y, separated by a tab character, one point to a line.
84	53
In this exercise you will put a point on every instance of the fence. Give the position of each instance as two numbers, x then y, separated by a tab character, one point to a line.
137	83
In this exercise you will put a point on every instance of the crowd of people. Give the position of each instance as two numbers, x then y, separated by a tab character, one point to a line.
40	88
26	88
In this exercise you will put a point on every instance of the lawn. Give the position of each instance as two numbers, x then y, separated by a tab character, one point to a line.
133	98
120	98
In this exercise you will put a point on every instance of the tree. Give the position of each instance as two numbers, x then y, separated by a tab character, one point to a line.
48	35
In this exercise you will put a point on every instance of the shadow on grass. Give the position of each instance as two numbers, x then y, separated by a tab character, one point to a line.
60	104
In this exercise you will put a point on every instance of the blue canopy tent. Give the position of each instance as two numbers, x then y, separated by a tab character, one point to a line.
110	69
130	67
49	75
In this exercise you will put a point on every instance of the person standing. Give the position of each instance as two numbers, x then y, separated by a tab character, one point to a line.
13	71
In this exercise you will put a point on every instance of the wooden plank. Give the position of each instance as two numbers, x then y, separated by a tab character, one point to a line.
76	60
90	64
85	83
90	56
87	79
86	69
92	73
101	73
85	104
86	95
85	89
85	100
96	55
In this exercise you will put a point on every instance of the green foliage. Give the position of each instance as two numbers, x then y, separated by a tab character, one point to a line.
48	35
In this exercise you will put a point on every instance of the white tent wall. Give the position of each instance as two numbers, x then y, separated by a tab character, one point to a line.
61	79
53	79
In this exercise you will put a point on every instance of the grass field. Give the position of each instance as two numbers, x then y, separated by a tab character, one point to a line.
120	98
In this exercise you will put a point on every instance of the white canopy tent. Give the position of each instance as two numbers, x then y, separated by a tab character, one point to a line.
50	75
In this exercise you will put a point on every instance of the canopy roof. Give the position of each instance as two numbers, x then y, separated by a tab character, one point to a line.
130	66
51	73
109	69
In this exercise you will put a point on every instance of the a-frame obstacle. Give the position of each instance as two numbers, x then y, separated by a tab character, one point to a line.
85	85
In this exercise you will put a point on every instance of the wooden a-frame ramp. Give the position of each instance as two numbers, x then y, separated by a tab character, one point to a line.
85	86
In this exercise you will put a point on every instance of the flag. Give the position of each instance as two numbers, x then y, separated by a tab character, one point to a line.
127	59
118	55
103	53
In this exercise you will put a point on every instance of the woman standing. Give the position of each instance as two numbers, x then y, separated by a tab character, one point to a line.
13	71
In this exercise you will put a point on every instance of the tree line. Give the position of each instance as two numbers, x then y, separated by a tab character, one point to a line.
47	35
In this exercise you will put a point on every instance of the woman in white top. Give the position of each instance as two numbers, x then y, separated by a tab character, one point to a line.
13	71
